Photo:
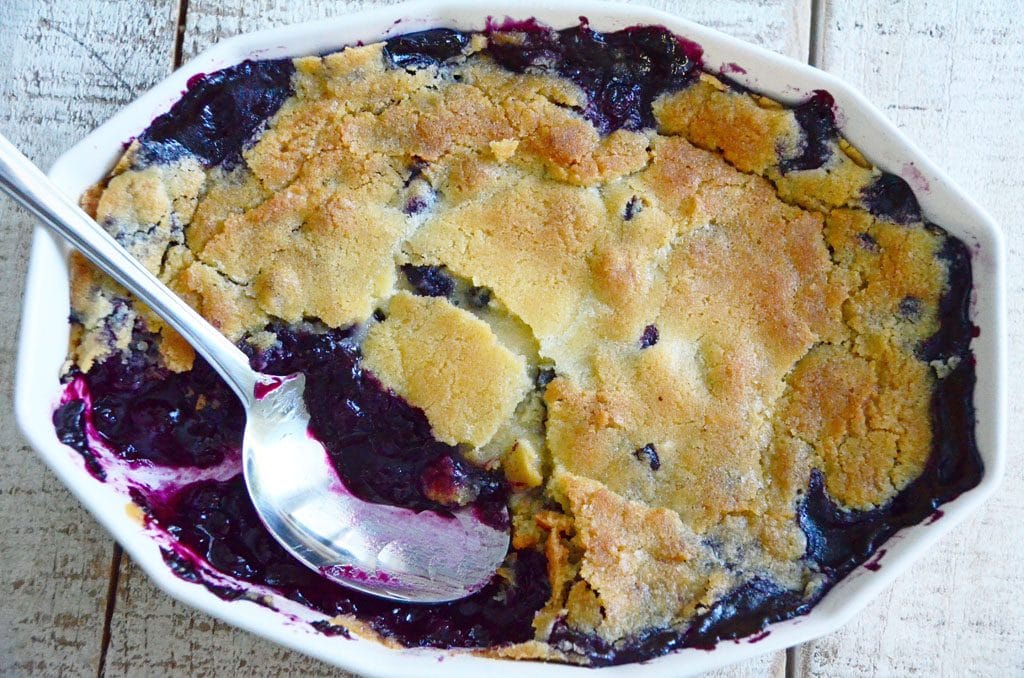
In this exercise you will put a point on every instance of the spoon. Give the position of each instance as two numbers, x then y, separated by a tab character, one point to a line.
387	551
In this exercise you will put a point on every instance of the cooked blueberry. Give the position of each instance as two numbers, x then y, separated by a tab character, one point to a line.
425	48
867	241
415	205
69	420
429	281
545	376
479	297
633	207
890	197
816	117
419	195
910	308
379	315
649	337
649	454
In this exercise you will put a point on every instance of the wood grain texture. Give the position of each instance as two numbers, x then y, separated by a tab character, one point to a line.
61	73
948	73
154	635
151	633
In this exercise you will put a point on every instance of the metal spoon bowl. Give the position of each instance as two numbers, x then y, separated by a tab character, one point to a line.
383	550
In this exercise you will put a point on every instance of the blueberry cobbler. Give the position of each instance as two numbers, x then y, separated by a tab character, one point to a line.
706	353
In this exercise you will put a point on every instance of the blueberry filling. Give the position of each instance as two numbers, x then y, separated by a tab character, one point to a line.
479	297
328	629
910	308
429	281
621	72
545	376
890	197
69	423
415	205
147	414
816	117
867	242
649	337
744	611
649	453
219	114
426	48
953	340
633	207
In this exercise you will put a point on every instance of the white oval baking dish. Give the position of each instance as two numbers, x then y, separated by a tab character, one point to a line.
44	328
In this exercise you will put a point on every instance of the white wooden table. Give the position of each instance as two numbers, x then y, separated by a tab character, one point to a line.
949	72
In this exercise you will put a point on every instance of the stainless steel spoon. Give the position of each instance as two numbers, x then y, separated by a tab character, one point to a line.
383	550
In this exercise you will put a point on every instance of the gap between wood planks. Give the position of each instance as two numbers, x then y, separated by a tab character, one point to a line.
815	49
813	55
108	613
179	35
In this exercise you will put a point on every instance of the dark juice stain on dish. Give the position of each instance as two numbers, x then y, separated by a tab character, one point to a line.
382	447
875	564
759	637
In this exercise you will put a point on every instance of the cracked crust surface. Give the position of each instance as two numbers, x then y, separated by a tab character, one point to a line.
784	335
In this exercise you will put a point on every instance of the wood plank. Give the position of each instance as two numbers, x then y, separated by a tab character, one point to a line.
151	633
65	70
948	74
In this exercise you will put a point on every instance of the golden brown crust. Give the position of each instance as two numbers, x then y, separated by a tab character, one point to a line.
449	364
641	567
787	316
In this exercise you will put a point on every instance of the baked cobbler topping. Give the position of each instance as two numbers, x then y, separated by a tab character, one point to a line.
708	355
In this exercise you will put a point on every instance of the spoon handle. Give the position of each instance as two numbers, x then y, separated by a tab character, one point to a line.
24	182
